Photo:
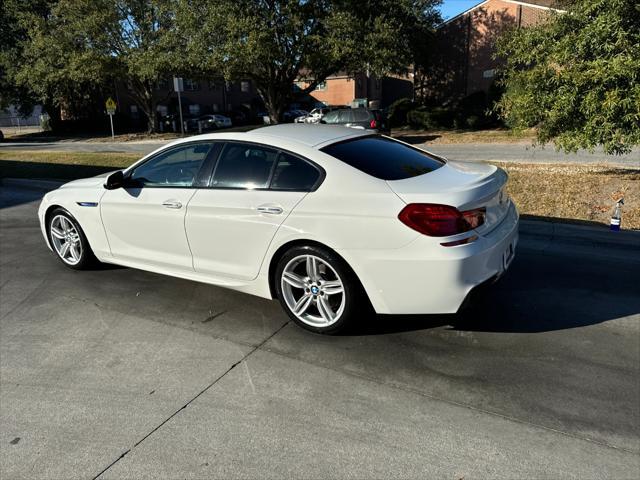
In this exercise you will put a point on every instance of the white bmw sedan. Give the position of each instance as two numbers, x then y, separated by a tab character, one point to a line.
330	220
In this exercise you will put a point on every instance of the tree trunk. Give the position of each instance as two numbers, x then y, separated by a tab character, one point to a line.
54	115
149	110
143	95
274	101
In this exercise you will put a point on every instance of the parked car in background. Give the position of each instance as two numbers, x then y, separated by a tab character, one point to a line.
332	221
362	118
211	122
292	115
318	113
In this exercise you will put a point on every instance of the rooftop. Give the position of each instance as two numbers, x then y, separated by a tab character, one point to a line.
311	135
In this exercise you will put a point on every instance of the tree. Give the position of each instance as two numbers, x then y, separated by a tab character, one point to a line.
577	77
84	46
13	35
276	42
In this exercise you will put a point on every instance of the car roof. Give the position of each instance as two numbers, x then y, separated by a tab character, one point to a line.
315	136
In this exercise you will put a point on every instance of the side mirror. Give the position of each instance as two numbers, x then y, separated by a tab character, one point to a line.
114	181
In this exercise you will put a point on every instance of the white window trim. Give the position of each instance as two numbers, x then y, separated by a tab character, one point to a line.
533	5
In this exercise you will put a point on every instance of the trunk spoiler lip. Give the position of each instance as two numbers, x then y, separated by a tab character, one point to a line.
484	181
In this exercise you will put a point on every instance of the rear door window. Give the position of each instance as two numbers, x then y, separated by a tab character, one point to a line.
243	165
383	158
293	173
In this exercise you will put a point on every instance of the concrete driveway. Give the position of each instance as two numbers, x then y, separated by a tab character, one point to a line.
118	373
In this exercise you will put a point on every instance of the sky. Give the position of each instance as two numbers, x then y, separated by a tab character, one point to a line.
450	8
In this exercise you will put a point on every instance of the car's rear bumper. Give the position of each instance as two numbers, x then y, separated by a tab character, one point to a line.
419	278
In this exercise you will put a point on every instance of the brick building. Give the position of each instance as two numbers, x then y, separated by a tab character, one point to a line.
344	89
462	61
200	97
203	96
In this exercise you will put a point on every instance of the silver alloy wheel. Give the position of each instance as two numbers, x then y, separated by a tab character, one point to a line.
65	239
313	290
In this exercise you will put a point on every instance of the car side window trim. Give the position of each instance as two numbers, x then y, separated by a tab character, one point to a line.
214	147
321	171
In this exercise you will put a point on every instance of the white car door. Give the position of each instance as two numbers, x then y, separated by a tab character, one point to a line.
144	221
231	224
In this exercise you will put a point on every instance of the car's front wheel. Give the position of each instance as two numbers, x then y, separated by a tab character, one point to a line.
68	240
318	290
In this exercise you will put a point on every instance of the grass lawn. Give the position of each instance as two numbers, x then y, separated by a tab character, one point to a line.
584	193
61	165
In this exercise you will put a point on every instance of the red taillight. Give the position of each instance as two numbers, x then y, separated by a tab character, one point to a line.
373	124
440	220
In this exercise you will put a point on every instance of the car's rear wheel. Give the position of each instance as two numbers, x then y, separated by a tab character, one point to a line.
318	290
68	240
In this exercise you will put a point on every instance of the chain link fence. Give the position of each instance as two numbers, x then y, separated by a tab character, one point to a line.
17	125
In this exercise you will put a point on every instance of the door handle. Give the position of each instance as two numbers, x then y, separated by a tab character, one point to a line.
271	209
172	204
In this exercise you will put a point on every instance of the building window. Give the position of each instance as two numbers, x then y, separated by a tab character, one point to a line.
488	73
216	107
322	86
215	85
245	86
194	109
162	110
191	85
134	111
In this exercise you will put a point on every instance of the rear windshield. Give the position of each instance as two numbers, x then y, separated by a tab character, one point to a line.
383	158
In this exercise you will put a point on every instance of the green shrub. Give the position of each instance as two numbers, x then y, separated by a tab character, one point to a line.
474	122
430	118
397	112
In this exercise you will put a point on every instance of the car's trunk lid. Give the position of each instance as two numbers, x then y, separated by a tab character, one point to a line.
463	185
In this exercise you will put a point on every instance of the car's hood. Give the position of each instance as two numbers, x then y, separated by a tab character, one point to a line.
91	182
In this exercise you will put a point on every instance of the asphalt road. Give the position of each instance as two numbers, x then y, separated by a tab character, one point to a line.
119	373
462	152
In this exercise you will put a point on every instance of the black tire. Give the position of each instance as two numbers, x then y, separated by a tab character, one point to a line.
356	302
86	257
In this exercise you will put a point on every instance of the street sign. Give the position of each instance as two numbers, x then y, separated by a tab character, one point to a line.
111	110
111	106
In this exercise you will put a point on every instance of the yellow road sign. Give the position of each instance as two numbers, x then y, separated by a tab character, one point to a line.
111	106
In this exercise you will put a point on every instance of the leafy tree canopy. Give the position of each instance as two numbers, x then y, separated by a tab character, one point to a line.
14	15
577	77
83	46
276	42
